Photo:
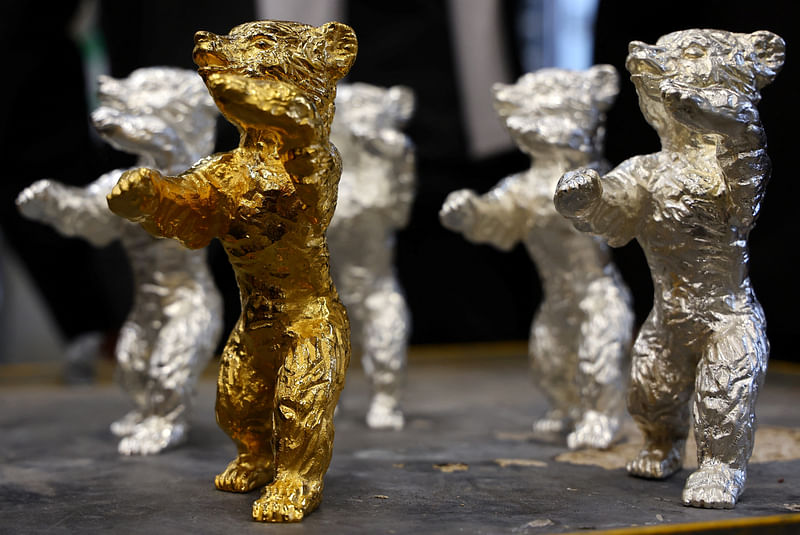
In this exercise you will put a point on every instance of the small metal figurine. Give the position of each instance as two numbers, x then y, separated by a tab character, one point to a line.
166	117
581	334
375	197
269	202
691	207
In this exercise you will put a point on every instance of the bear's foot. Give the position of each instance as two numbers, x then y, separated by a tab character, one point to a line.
245	473
384	413
714	486
553	422
288	499
656	461
595	430
125	425
153	435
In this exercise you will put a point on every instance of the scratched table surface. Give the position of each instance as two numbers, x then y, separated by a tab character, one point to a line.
466	462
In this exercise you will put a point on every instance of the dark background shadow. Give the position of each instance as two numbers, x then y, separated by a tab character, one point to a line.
457	291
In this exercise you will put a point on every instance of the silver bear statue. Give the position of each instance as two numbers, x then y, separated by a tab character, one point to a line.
581	334
691	207
376	192
166	117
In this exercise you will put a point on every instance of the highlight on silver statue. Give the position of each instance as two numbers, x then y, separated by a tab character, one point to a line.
691	206
166	117
376	192
581	334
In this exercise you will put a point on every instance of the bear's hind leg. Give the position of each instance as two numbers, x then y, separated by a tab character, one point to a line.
552	354
385	343
729	377
605	343
132	352
172	370
308	390
658	399
245	411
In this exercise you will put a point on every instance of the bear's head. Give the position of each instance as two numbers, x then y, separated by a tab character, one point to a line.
367	131
162	113
558	109
369	107
725	69
277	76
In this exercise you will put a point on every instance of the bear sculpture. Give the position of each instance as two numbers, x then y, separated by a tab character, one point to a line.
166	117
691	206
375	197
269	202
581	334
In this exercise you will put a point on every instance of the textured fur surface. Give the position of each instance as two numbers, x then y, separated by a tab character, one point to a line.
691	206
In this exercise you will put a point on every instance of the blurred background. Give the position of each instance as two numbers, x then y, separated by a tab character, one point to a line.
54	290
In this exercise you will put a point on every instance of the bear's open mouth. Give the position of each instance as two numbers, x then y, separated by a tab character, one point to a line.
207	59
642	65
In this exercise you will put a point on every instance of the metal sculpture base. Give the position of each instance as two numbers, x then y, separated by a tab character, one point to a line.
500	481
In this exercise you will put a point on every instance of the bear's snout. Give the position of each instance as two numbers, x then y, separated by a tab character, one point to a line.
203	36
206	50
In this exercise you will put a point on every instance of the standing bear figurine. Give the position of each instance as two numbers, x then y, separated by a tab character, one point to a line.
269	202
166	117
691	206
581	334
375	197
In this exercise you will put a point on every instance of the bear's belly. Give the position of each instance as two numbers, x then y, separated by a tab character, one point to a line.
688	220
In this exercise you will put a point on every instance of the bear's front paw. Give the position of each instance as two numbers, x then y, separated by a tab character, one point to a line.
717	110
685	106
459	211
135	194
577	191
31	201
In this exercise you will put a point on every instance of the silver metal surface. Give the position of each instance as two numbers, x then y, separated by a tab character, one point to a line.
581	334
691	206
167	118
375	196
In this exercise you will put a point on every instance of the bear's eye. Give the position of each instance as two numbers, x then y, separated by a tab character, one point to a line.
263	44
693	52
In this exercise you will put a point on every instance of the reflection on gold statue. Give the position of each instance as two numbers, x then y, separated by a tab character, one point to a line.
691	206
269	202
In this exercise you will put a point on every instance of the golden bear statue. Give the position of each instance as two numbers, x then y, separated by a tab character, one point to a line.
269	202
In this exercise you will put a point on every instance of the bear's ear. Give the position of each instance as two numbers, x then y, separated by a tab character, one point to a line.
400	103
499	87
341	47
504	99
605	85
771	52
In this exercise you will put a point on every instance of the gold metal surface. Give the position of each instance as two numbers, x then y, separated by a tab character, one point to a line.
691	206
269	202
